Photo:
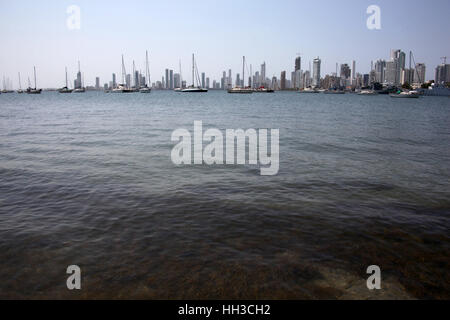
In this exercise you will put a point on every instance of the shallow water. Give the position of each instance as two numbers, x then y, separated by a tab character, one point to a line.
87	179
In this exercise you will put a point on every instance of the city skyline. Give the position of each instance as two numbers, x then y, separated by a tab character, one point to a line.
99	42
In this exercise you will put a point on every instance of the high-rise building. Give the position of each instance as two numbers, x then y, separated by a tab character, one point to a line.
353	72
419	74
263	74
298	63
306	79
399	58
407	76
345	75
78	83
167	79
283	80
136	79
365	80
203	80
391	72
274	84
316	72
230	79
128	80
380	68
114	83
171	79
442	74
176	80
223	81
207	83
97	83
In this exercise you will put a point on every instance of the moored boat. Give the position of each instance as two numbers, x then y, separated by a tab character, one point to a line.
66	88
193	88
146	88
263	90
367	93
241	89
33	90
405	94
308	90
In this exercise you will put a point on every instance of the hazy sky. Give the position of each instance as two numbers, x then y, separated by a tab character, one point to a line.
218	32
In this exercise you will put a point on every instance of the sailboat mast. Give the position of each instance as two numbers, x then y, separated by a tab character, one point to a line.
34	68
193	62
67	86
20	84
243	69
147	70
250	77
181	78
134	75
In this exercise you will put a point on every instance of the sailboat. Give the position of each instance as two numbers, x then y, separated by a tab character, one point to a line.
238	88
79	88
122	87
34	90
146	88
66	88
6	84
20	86
193	88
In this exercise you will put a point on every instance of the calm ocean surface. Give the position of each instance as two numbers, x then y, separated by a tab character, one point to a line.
87	179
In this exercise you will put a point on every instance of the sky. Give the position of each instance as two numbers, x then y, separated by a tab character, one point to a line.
35	33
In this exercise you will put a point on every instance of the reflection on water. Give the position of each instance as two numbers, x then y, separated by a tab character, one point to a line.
88	180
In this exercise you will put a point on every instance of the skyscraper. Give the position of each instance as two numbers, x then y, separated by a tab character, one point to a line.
345	75
136	79
298	63
97	83
399	58
283	80
176	80
316	72
114	83
391	72
223	81
78	81
263	74
128	80
380	66
442	74
167	79
419	74
171	79
353	72
203	80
